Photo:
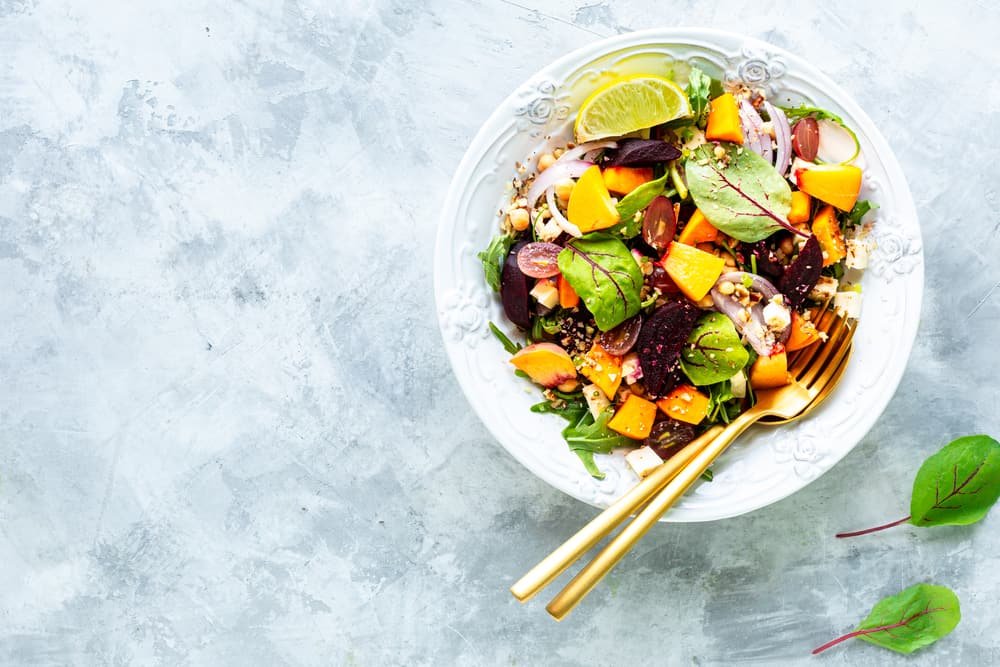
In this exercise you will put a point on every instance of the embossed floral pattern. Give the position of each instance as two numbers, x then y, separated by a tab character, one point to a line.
756	69
541	104
463	313
803	450
895	253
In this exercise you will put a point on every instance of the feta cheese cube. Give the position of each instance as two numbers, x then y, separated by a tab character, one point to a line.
546	293
858	251
776	316
596	399
848	304
738	384
825	289
643	461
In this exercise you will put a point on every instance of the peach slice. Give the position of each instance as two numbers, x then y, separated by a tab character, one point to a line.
693	271
686	404
698	230
590	204
724	120
623	180
634	418
801	205
827	231
770	372
803	334
545	363
836	184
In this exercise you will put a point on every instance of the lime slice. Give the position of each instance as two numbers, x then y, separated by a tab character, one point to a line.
628	105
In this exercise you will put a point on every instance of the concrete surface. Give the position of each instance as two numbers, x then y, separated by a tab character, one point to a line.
230	435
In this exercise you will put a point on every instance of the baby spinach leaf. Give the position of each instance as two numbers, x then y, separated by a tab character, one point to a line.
636	201
907	621
713	352
699	94
603	272
743	195
956	486
589	436
959	484
493	258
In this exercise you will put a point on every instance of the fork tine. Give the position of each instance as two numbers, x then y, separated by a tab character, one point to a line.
827	324
832	353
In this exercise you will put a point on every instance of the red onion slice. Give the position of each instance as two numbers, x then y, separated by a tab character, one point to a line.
755	330
559	171
585	149
564	224
782	137
753	131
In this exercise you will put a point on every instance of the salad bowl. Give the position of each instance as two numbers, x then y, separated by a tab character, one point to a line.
767	464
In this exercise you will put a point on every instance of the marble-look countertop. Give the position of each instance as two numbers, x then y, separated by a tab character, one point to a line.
230	434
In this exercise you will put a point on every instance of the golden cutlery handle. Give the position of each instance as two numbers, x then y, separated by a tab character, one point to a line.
570	551
594	571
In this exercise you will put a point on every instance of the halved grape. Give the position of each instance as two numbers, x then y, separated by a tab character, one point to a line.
622	338
668	436
659	224
539	259
805	138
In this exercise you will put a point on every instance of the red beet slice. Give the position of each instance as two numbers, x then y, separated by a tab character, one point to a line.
641	152
802	274
767	261
660	342
514	289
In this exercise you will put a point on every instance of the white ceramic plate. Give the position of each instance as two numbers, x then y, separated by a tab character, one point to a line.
765	465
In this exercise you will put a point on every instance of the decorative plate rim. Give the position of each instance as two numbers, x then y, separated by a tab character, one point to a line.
903	212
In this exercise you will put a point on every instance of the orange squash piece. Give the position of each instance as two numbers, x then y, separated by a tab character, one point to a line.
770	372
685	403
590	206
634	418
803	334
698	230
623	180
827	231
724	120
568	298
693	271
603	369
836	184
801	205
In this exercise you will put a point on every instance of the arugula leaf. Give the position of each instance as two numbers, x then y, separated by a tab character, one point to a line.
954	487
907	621
589	436
744	196
603	272
572	411
636	201
798	113
699	94
493	258
713	351
855	215
508	344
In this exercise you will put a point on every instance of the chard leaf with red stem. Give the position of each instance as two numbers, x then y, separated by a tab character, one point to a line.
954	487
907	621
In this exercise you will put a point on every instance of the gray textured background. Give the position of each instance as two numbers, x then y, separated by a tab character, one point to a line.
230	435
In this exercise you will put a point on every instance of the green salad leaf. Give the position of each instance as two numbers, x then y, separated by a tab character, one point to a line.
508	344
954	487
856	214
713	352
699	91
742	195
589	436
907	621
603	272
636	201
959	484
493	258
798	113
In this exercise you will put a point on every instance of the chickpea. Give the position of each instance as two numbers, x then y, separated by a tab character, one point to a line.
545	161
787	246
519	219
726	288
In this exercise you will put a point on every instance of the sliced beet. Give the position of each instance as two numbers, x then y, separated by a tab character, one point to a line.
514	289
660	341
767	261
802	274
641	152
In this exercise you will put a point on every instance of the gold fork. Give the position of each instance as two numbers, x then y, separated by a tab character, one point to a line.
815	371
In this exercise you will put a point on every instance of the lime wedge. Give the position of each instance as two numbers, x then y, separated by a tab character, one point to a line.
628	105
